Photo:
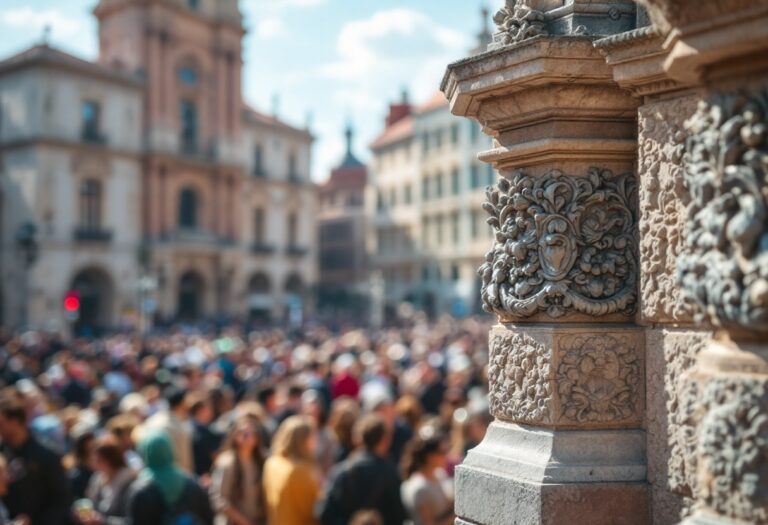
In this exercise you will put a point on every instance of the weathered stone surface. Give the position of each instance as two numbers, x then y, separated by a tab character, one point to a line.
570	377
663	201
531	475
563	244
670	355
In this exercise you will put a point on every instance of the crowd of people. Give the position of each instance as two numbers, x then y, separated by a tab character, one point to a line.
274	427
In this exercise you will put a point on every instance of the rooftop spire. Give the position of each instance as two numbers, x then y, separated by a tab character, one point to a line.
484	37
350	161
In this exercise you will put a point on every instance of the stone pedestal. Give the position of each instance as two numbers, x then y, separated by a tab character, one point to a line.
566	371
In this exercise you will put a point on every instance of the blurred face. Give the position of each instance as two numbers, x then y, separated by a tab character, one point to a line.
247	437
11	430
3	481
439	458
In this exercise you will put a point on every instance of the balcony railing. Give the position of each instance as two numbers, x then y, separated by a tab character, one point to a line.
262	248
93	136
92	234
296	251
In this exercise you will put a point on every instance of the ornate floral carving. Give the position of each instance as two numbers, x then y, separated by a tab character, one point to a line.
683	391
733	449
562	243
519	376
598	379
518	20
725	266
663	198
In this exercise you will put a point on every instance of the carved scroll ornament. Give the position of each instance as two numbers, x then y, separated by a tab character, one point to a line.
562	244
724	269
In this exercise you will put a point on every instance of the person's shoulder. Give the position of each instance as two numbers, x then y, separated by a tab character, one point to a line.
225	460
42	452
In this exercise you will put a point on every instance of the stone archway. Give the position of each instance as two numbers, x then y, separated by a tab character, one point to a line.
191	295
96	291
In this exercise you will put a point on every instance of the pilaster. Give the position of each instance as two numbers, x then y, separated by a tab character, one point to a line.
721	48
567	370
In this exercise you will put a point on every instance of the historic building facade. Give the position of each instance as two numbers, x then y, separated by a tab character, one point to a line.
343	261
629	369
427	233
209	198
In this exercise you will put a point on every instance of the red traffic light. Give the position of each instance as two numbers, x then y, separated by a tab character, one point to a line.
72	301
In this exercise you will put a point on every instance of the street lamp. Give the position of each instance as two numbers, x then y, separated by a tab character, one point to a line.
26	242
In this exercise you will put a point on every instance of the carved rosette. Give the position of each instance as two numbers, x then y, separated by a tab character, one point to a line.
598	379
518	20
663	200
724	269
563	244
733	449
519	376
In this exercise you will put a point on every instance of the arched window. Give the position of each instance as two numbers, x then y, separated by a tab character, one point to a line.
90	204
188	209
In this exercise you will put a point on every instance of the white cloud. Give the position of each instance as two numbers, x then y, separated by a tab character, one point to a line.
62	24
362	43
270	27
301	3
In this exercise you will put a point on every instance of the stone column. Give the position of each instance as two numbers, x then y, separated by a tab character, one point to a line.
722	48
566	359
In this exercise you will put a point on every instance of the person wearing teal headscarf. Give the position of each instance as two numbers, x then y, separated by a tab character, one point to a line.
157	452
163	494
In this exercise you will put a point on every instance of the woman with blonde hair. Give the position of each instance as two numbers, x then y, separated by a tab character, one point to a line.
291	482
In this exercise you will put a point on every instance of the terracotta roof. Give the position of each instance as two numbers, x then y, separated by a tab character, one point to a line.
257	117
397	132
44	54
346	178
437	100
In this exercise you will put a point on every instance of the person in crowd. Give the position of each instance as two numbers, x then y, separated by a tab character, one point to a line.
365	481
38	490
81	472
205	440
291	480
344	413
425	491
291	404
121	428
109	487
5	518
175	421
312	405
163	494
344	381
378	399
236	484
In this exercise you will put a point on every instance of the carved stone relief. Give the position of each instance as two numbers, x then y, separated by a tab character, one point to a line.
663	200
518	20
598	379
733	449
563	244
683	409
519	376
724	269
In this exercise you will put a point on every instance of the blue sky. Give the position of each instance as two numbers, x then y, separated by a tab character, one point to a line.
333	59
